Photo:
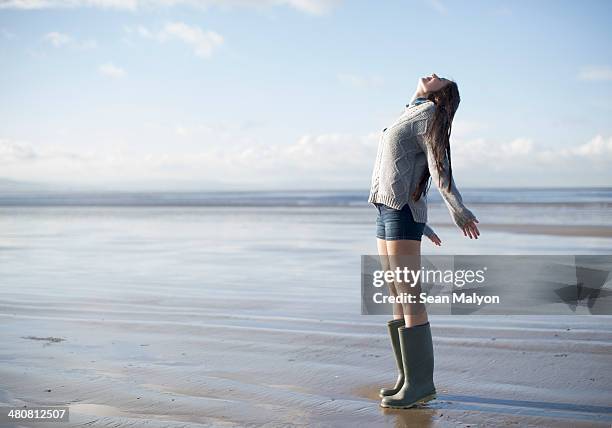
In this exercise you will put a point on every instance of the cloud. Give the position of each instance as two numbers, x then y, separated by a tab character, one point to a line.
6	34
438	6
524	152
462	128
309	159
57	39
316	7
360	81
203	43
323	160
597	148
12	151
596	73
111	70
19	152
525	162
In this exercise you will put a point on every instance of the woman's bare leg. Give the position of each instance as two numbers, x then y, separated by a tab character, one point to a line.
407	253
398	311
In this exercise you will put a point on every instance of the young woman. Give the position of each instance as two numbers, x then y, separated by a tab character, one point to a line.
411	151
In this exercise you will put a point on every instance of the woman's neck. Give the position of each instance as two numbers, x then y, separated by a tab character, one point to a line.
416	95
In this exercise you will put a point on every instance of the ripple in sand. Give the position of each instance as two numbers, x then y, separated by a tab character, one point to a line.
95	409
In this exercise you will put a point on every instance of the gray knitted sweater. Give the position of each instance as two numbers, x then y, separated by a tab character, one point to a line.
403	154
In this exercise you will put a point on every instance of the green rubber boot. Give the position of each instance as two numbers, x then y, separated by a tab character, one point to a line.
393	326
418	360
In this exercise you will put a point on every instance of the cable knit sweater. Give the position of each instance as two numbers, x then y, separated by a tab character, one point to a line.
403	154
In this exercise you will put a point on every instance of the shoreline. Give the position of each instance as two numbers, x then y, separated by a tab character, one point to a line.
556	230
543	229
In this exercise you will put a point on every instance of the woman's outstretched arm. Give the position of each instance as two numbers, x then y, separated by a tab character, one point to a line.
461	215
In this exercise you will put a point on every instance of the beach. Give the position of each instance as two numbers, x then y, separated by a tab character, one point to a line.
186	237
227	315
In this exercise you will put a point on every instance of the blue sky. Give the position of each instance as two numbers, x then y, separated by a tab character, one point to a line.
293	93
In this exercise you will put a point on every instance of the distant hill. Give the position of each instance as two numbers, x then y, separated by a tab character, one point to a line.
8	185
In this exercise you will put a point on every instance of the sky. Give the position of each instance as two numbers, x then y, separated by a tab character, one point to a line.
293	94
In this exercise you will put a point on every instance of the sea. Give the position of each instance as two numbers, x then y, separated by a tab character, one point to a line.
97	242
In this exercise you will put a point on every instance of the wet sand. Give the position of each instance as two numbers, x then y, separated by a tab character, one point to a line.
547	229
197	365
133	318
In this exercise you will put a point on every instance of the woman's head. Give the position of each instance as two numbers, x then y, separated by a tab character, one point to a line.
443	92
445	95
431	83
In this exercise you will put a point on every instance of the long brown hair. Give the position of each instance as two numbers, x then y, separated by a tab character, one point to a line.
447	101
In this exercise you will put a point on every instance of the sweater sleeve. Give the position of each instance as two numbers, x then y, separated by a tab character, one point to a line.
452	198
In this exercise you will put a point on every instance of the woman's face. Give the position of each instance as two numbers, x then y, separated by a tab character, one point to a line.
432	83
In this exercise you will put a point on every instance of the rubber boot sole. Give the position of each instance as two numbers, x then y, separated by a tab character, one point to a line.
408	406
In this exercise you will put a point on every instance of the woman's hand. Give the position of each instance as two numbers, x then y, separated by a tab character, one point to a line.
435	239
471	230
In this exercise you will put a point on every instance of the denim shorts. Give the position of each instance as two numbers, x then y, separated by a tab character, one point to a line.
393	225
